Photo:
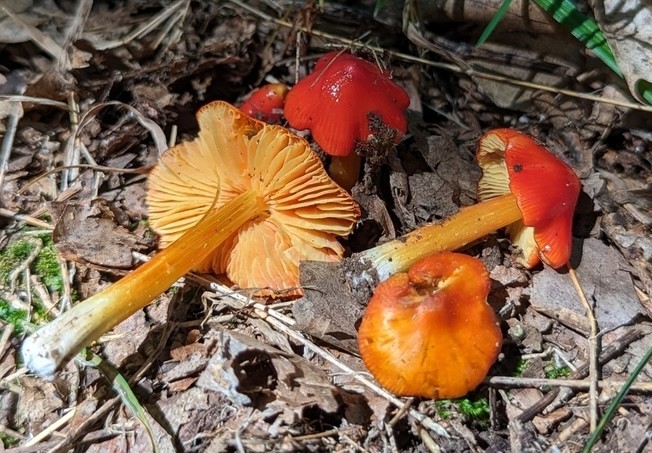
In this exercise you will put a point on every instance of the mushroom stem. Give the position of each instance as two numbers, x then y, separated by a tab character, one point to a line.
464	227
345	170
54	344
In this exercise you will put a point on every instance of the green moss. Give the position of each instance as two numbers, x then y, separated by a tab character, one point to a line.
8	441
552	371
14	316
476	410
48	268
444	409
521	365
12	256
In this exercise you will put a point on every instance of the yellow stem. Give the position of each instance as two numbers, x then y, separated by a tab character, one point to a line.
345	170
55	343
462	228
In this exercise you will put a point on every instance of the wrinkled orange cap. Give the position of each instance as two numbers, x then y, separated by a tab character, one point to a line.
235	153
429	332
335	101
546	190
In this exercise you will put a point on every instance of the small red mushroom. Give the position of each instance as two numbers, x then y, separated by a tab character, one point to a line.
336	100
429	332
266	103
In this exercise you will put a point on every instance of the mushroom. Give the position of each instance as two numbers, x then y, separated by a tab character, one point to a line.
245	198
266	103
523	187
430	332
335	102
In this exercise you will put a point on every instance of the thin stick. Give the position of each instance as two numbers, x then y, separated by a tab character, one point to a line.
576	384
29	220
593	350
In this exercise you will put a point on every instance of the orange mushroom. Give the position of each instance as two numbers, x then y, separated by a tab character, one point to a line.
305	211
335	101
245	198
522	185
430	332
266	103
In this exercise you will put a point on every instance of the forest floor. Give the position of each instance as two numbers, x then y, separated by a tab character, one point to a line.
207	368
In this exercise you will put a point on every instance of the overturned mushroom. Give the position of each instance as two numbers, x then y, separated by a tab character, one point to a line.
244	197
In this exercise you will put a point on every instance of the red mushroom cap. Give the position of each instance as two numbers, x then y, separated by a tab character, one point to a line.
430	332
546	189
335	101
266	103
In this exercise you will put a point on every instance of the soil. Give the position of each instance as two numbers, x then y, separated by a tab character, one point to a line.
206	367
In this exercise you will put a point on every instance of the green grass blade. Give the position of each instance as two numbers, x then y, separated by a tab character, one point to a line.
584	28
595	436
493	23
122	388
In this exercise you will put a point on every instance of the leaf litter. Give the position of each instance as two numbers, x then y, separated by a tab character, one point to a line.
216	375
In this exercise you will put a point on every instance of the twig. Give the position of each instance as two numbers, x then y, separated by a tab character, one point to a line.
29	220
274	319
575	384
593	351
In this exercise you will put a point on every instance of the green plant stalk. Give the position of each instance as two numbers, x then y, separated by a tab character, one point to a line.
493	23
595	436
47	350
122	388
462	228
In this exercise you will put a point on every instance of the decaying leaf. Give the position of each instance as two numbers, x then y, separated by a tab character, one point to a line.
325	311
626	25
252	373
94	234
607	284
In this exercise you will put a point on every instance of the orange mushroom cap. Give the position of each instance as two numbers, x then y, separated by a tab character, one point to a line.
429	332
335	101
546	190
234	153
266	103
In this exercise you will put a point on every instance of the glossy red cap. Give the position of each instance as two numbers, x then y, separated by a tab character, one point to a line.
266	103
335	101
545	187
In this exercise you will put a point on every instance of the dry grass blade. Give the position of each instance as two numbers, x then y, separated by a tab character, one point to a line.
150	25
154	129
34	100
43	41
